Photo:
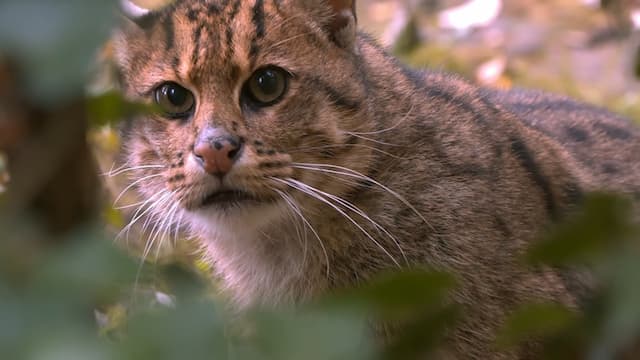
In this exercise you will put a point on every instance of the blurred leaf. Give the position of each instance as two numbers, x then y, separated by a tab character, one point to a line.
394	296
114	217
423	335
195	330
411	306
309	335
111	107
601	224
535	321
54	42
88	269
4	172
112	321
619	315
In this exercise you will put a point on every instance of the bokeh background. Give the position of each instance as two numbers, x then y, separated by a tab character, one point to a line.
69	291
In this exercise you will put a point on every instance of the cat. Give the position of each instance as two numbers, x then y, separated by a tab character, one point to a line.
306	159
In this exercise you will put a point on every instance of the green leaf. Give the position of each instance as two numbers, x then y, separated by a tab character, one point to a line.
195	330
309	335
422	335
111	107
54	43
396	295
602	223
535	321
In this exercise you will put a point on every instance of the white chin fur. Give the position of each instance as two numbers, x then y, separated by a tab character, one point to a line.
132	10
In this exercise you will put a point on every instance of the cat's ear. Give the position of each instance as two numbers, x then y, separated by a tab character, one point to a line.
342	22
137	14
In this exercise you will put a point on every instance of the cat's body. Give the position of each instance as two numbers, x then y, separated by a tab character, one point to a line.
414	169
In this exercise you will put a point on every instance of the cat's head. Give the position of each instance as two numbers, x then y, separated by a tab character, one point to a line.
260	104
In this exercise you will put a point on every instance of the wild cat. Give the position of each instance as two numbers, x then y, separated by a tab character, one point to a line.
306	159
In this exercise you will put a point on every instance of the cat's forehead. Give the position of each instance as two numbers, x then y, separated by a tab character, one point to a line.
197	37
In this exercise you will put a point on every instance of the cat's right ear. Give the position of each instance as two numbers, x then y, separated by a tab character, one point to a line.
338	18
137	14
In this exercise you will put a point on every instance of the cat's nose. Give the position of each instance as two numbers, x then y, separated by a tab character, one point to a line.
217	153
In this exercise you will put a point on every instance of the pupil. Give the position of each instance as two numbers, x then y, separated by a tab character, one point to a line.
268	82
176	96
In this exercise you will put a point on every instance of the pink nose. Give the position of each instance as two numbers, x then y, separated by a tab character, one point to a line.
217	156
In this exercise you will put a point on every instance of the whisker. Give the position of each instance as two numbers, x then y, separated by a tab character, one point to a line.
149	244
307	149
166	229
359	211
163	195
355	174
133	168
178	225
132	185
313	192
294	210
370	139
288	39
140	208
298	211
394	126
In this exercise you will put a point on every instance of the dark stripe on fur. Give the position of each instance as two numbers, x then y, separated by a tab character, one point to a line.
614	132
215	9
229	35
418	80
197	34
524	155
258	21
336	98
169	34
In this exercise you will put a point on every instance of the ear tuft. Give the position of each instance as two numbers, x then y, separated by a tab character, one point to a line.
344	22
138	14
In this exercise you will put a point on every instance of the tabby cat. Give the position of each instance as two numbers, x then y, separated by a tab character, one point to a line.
306	159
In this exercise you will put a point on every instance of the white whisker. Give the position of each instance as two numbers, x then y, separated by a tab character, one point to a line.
115	202
163	195
307	149
394	126
133	168
362	214
352	173
313	192
298	211
370	139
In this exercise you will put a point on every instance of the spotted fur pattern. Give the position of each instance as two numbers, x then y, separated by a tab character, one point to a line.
365	165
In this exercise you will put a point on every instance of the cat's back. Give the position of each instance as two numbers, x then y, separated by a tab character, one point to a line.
605	146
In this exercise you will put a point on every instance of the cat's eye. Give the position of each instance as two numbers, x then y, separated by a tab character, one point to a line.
174	100
266	86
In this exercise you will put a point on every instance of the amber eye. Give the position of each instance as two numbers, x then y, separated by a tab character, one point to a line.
174	100
266	86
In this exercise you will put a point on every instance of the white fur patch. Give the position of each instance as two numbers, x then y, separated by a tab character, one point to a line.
132	10
255	268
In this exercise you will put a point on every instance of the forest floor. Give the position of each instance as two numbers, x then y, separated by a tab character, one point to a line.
564	46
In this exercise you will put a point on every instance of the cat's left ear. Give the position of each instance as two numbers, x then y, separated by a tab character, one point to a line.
343	21
139	15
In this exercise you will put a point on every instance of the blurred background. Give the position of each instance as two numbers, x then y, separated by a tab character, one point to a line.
70	288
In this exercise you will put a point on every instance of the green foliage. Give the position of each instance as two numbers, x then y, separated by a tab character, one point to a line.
109	108
604	237
53	42
604	222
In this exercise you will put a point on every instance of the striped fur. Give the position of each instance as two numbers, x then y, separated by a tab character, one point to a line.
438	172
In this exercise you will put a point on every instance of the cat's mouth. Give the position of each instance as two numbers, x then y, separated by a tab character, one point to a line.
227	198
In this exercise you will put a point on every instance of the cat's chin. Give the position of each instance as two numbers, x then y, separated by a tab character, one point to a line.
235	218
229	199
